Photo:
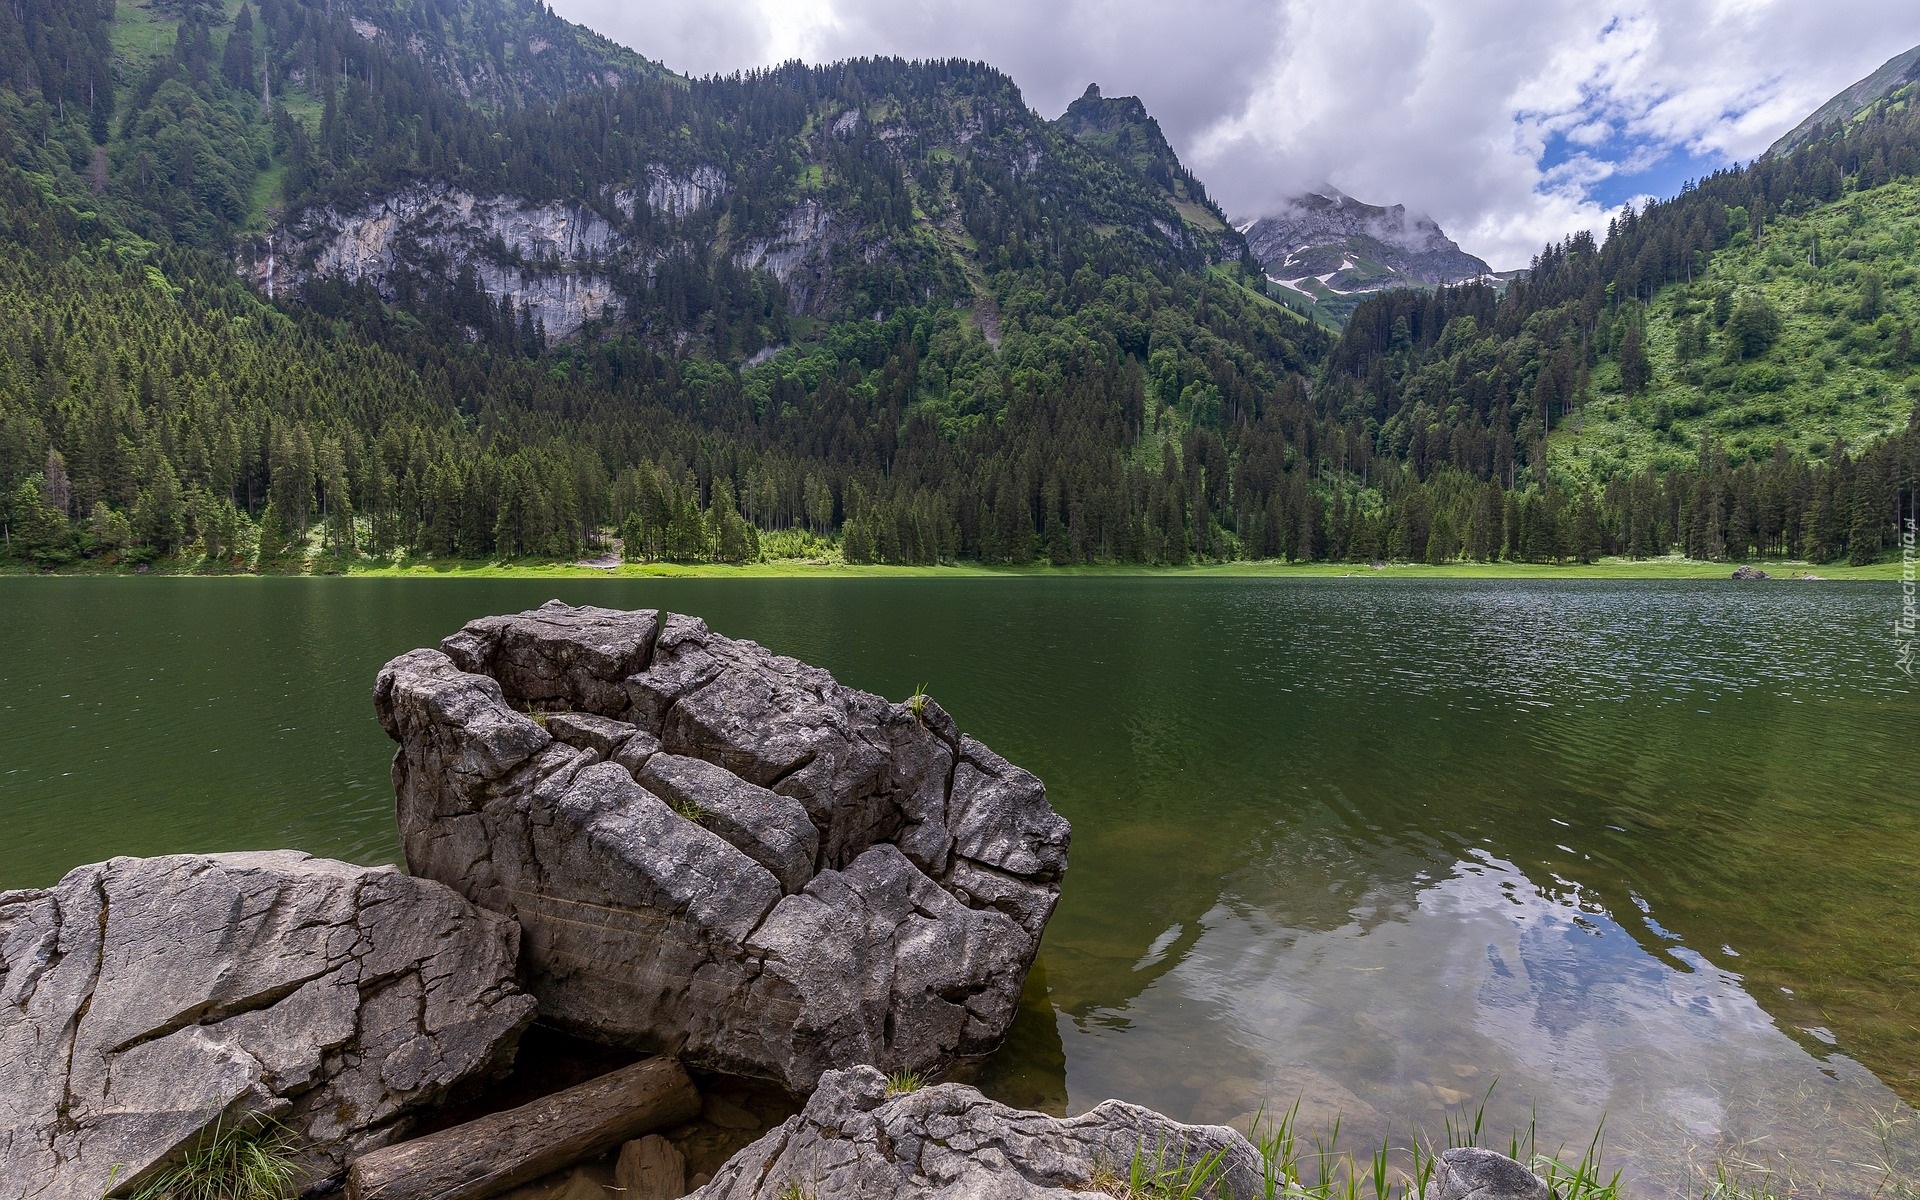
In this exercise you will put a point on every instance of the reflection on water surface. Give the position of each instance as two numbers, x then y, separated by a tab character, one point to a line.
1638	851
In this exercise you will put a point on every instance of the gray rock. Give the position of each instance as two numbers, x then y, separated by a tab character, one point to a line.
854	1142
1474	1174
1750	573
142	1000
558	657
584	731
771	829
861	883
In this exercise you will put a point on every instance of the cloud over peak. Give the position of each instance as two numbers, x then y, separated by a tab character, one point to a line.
1511	122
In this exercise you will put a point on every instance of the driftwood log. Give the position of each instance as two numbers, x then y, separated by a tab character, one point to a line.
487	1156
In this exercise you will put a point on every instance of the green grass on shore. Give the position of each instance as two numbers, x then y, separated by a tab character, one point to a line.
1606	568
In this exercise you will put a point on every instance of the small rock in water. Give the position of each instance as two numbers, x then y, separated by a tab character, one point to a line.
1751	573
650	1168
582	1183
728	1115
1470	1173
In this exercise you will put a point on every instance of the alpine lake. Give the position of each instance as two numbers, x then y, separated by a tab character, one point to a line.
1640	856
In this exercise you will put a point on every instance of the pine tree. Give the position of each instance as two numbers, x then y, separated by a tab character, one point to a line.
1635	371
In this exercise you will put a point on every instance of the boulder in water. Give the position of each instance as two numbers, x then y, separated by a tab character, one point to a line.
720	853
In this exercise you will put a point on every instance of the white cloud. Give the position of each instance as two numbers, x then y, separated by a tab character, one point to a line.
1448	106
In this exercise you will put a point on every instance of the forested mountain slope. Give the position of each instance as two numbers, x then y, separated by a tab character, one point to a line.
294	281
1893	85
1792	280
939	216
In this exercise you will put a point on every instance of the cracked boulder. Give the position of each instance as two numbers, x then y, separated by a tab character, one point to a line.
142	1001
720	853
854	1141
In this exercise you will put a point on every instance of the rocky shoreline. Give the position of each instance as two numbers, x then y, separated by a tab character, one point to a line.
669	844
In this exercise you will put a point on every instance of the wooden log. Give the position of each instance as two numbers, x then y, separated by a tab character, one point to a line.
487	1156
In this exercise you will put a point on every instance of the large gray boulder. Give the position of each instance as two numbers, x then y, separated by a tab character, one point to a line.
855	1142
720	853
144	1000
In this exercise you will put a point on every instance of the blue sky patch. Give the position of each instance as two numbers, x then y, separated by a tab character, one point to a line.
1614	168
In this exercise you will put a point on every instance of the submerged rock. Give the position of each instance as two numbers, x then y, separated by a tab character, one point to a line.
144	1000
720	853
651	1168
855	1142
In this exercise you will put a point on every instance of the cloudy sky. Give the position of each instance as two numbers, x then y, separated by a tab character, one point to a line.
1511	122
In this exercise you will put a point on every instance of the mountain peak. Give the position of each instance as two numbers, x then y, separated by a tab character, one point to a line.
1898	78
1336	250
1120	129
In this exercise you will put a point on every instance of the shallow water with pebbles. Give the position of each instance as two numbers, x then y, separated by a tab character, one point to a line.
1633	851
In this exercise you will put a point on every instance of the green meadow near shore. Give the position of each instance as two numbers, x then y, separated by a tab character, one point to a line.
1672	567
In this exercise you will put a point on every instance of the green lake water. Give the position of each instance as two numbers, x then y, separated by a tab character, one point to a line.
1647	852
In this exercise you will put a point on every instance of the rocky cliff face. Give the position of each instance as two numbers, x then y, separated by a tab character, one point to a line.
567	263
142	1001
851	206
1328	246
551	259
719	853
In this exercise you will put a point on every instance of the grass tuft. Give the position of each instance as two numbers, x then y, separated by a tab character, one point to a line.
900	1083
1154	1176
917	704
233	1161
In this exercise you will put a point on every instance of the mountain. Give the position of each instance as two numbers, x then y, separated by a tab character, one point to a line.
306	283
1892	85
1121	129
853	189
1334	250
498	56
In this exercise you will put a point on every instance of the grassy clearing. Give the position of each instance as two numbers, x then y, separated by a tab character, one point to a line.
268	188
139	33
1606	568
